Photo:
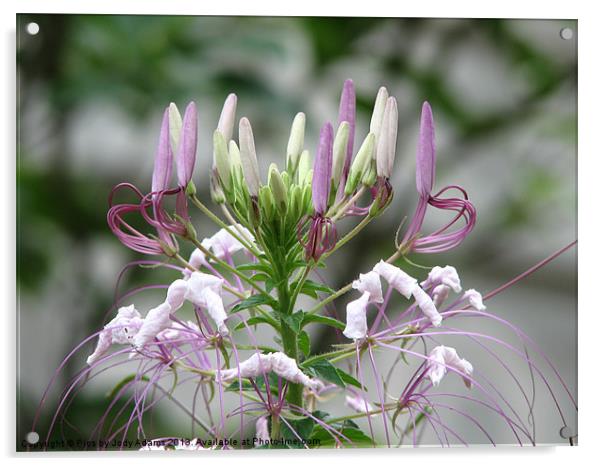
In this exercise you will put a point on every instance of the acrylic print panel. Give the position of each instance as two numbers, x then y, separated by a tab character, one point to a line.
232	234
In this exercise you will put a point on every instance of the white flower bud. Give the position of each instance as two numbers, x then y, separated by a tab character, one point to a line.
248	156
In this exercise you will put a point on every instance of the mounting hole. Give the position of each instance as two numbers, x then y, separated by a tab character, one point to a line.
32	438
566	432
566	33
32	28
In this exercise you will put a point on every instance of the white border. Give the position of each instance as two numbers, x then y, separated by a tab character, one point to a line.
590	79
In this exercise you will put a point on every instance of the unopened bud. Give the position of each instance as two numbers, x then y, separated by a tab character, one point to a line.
339	152
387	140
361	164
226	118
378	111
295	142
248	156
221	160
175	127
278	188
305	166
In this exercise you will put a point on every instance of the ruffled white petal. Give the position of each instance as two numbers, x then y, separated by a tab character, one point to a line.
222	244
447	275
282	365
396	277
155	321
357	325
426	305
176	294
121	330
257	364
474	299
205	291
443	357
440	294
369	282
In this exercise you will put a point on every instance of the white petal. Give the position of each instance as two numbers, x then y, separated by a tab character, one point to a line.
121	330
286	367
215	307
370	282
357	403
176	293
256	365
440	294
426	305
443	357
447	275
261	429
475	299
357	325
197	282
197	258
396	277
102	346
155	321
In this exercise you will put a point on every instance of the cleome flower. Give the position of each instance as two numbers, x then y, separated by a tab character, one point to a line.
282	365
442	358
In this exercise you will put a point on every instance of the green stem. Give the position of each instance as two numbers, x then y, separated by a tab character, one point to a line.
203	208
330	299
289	341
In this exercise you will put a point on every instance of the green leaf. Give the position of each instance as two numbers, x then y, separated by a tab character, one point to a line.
258	320
309	318
349	379
255	266
304	343
294	321
253	301
324	369
349	434
311	288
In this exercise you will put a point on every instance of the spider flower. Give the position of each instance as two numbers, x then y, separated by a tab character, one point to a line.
347	115
442	358
357	325
121	330
278	362
444	238
322	236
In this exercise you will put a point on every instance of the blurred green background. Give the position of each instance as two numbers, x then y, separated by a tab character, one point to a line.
91	90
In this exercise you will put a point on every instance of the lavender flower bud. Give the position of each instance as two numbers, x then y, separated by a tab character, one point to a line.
187	146
221	160
387	140
226	118
425	156
347	114
248	156
322	170
360	164
339	152
175	127
163	159
378	111
295	142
